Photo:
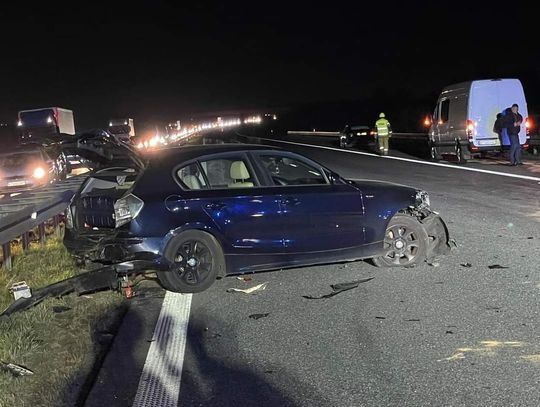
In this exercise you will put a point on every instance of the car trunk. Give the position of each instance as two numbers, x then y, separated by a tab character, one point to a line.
93	207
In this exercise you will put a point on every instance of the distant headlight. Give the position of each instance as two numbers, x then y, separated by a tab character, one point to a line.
38	173
422	199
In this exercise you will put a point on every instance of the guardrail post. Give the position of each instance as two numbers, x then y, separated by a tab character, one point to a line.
41	233
56	225
25	240
6	253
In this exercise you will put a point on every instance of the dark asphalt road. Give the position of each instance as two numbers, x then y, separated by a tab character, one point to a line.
444	335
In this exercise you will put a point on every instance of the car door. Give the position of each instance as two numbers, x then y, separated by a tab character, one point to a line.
226	188
318	215
434	133
445	138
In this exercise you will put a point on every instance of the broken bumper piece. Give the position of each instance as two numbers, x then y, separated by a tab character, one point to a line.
104	278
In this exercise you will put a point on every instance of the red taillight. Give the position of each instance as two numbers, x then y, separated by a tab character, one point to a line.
469	128
427	121
528	125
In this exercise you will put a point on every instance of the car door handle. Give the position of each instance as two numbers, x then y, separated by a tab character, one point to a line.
290	201
215	206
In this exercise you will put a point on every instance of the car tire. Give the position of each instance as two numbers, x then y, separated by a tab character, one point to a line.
460	154
197	259
405	243
434	154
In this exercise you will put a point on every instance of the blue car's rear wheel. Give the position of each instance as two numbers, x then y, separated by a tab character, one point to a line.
197	260
405	243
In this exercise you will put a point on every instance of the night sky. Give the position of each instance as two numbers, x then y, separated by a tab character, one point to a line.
157	61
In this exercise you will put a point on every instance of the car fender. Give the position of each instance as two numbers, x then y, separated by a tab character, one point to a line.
192	226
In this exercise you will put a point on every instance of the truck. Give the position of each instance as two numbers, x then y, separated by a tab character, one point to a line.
45	125
463	120
122	128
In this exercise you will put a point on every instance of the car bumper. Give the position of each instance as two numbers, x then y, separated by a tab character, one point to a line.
126	254
19	185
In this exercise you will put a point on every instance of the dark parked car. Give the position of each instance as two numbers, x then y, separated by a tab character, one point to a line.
196	213
29	167
356	136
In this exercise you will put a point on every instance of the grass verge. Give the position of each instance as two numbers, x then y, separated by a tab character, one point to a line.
56	339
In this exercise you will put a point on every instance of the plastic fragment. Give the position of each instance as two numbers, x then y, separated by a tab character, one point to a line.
250	290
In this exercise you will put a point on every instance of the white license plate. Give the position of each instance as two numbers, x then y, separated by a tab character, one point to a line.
16	183
487	142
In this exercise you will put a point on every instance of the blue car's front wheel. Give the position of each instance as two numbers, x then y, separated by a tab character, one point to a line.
196	258
405	243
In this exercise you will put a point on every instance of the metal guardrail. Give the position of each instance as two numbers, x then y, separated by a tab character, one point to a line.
21	213
404	136
313	133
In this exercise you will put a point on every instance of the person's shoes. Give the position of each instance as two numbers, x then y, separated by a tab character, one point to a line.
512	165
520	164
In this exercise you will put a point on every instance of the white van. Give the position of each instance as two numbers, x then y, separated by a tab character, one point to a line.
463	119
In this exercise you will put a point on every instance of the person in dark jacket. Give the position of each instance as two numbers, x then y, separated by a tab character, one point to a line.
512	124
498	127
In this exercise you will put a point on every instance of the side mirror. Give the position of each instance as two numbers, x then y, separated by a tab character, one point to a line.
332	177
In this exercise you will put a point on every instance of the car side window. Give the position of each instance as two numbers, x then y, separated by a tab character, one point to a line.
230	172
191	178
290	171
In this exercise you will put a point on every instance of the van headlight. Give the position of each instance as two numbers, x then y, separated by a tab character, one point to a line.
422	199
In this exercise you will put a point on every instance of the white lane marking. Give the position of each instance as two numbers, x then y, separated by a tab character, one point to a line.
388	157
159	384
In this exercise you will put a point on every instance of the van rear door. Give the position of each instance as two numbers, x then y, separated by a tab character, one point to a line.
484	104
488	98
510	91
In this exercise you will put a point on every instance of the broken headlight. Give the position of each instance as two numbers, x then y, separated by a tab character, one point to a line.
422	199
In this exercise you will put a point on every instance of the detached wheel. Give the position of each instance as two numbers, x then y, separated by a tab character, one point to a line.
405	243
198	260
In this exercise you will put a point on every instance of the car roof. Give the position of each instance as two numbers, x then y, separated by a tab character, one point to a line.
167	154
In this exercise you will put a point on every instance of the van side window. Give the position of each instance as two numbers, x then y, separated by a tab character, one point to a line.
445	109
436	113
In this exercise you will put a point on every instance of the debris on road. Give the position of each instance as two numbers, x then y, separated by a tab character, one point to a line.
242	278
530	237
91	281
58	309
251	290
339	288
412	320
433	264
380	317
258	316
467	265
15	370
449	332
453	241
497	266
20	290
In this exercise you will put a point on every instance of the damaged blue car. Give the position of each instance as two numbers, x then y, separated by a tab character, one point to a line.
195	213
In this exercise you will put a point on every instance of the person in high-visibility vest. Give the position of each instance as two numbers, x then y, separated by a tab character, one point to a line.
384	131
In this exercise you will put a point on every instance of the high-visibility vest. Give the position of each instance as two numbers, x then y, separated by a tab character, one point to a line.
383	126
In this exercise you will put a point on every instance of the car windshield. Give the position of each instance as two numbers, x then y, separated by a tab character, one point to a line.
18	159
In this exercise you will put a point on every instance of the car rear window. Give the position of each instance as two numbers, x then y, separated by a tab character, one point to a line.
19	159
217	173
191	177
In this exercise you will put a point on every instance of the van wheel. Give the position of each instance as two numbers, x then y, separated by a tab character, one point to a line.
197	260
433	153
405	243
460	155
